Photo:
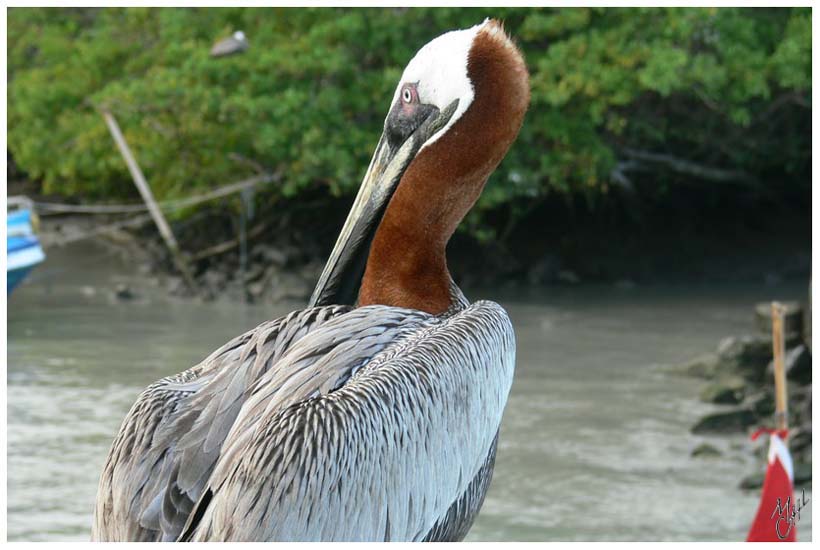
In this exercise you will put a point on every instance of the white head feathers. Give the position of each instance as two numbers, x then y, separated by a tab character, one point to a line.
440	69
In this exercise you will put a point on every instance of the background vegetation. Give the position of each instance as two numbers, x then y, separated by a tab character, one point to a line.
626	103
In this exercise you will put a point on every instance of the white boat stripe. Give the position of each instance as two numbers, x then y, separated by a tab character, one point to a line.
25	258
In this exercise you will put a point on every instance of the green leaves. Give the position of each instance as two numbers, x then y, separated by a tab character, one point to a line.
662	71
725	87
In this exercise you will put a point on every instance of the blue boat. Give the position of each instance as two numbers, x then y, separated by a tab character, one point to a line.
23	250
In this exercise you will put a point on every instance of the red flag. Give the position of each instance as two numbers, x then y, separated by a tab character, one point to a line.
775	520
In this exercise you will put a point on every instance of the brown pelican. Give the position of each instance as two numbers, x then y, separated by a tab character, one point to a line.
376	419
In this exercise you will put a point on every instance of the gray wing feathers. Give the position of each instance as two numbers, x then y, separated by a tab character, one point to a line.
323	451
455	525
320	364
122	498
171	437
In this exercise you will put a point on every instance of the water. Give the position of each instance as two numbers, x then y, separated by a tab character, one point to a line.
595	441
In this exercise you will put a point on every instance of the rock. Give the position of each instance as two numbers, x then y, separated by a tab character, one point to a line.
705	450
762	403
255	290
234	292
703	366
736	420
799	440
543	270
792	319
291	252
214	277
177	287
798	370
124	292
254	272
798	365
271	255
802	408
753	481
807	321
745	355
727	391
802	473
119	236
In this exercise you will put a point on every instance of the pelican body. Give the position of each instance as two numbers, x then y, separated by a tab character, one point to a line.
373	414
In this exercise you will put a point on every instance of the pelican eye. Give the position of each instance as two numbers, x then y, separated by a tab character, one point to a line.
407	95
406	116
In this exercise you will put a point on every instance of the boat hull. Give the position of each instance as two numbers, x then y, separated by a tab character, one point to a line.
23	250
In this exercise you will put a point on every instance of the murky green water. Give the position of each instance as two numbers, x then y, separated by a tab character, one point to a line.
595	443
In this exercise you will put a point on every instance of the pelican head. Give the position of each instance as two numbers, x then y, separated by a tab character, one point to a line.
455	112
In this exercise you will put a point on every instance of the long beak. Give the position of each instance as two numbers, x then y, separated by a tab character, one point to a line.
342	275
340	279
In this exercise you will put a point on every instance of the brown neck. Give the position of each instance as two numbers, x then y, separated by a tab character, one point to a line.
407	266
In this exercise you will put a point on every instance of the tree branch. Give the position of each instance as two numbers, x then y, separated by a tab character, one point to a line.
688	167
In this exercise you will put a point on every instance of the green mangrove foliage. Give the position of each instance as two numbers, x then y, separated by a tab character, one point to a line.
650	97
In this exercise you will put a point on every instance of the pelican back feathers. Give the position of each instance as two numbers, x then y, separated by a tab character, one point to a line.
382	457
376	423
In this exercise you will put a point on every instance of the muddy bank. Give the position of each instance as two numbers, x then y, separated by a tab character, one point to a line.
563	244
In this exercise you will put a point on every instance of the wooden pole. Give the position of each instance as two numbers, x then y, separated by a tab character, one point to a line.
781	408
150	202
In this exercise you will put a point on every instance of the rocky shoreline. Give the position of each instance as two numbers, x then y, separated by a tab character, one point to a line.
738	381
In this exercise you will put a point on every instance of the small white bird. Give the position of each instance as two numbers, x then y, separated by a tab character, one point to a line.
236	43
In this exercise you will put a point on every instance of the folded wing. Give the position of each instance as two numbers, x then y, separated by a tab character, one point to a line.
170	439
377	427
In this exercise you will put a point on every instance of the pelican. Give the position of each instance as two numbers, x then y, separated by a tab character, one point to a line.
372	415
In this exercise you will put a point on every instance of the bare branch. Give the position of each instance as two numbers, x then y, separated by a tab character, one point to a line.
690	168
